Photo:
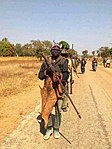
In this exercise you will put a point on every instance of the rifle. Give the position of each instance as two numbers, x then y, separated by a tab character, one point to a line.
63	88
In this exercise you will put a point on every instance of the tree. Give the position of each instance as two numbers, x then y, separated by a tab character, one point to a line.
38	46
6	48
72	52
105	52
18	49
47	46
64	45
110	51
28	50
85	52
98	53
93	52
66	48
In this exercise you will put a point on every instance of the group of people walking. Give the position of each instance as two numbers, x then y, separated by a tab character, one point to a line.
56	75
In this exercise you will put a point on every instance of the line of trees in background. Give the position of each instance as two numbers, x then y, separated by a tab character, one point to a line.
31	49
102	52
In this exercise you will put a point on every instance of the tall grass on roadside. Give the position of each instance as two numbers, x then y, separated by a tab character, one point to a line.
16	76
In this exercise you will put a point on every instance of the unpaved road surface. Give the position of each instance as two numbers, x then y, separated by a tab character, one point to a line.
92	94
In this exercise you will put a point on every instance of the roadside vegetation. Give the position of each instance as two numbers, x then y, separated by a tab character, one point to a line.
16	74
33	48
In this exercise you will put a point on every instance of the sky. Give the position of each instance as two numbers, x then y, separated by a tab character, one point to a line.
87	24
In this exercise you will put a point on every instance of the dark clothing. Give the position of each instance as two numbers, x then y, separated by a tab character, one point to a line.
60	65
83	63
104	62
94	61
52	91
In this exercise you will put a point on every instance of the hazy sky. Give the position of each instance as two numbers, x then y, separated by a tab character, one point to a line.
85	23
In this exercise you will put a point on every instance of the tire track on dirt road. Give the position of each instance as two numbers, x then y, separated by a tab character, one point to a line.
100	120
101	90
89	132
108	83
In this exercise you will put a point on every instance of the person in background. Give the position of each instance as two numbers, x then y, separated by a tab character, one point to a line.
107	63
104	62
83	64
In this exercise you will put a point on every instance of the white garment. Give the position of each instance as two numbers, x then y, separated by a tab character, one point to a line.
108	61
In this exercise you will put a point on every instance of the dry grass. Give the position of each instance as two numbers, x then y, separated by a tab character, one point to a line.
17	58
16	74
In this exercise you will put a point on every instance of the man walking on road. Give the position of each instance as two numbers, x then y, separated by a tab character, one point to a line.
52	94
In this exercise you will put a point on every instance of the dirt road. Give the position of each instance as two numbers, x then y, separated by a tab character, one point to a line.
92	94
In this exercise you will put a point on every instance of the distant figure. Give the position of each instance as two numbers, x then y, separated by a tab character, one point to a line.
76	61
104	62
108	63
83	64
94	64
